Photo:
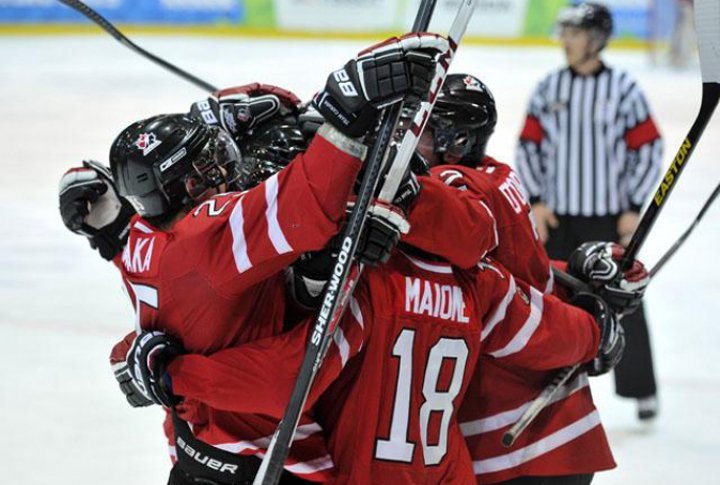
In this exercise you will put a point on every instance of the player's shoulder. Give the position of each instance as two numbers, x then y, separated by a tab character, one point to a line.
458	176
142	255
492	280
494	167
419	288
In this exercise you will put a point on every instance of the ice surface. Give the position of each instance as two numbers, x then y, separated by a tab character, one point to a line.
61	307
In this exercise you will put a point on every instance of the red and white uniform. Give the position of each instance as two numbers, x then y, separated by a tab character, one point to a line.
399	365
567	438
215	279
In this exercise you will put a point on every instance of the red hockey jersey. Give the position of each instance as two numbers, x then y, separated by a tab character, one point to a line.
215	279
399	365
212	278
567	437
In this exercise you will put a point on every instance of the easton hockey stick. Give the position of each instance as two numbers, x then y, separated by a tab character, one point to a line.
673	249
120	37
707	25
346	272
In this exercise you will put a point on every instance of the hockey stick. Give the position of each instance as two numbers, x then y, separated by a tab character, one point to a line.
670	252
346	273
110	29
549	392
707	24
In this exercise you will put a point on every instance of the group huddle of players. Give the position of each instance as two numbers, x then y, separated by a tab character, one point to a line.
222	222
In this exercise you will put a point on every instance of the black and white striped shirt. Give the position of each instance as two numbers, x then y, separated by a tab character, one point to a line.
589	146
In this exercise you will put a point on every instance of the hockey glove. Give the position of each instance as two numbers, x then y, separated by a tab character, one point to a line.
597	263
240	109
132	392
612	336
90	206
386	224
147	360
384	74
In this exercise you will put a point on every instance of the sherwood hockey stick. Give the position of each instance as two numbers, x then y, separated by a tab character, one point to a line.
707	24
673	249
120	37
346	272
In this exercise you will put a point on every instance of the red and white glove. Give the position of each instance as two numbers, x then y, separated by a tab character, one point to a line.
597	263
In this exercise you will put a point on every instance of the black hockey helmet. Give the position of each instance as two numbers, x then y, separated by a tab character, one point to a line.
163	163
269	149
590	16
463	118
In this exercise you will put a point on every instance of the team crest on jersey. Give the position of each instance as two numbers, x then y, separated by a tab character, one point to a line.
147	142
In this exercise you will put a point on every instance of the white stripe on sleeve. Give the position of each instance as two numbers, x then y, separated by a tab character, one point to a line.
539	448
499	313
523	336
239	246
277	237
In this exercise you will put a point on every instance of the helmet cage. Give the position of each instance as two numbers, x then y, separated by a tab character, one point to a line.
217	164
269	151
456	125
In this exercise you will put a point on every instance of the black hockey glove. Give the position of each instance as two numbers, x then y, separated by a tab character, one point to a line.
384	74
386	224
132	392
240	109
90	206
597	263
148	358
308	275
612	336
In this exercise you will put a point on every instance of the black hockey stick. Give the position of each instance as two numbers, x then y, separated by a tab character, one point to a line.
120	37
346	272
707	24
673	249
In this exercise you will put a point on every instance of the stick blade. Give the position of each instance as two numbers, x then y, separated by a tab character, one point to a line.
707	24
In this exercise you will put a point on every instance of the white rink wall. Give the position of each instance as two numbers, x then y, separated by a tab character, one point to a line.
62	308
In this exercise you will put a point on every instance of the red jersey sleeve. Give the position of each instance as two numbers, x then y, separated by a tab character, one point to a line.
528	329
496	184
455	225
258	377
243	238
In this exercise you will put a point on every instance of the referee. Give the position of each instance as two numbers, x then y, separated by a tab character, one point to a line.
589	156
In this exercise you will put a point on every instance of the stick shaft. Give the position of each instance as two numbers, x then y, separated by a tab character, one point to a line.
120	37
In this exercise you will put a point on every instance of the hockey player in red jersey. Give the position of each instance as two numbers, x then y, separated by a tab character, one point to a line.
229	242
568	443
398	367
210	266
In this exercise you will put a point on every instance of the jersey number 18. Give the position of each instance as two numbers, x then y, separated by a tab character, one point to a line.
398	447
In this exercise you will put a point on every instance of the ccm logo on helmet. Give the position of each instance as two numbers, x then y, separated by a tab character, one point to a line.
173	160
205	460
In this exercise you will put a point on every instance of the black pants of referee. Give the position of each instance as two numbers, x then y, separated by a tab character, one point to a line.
634	375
